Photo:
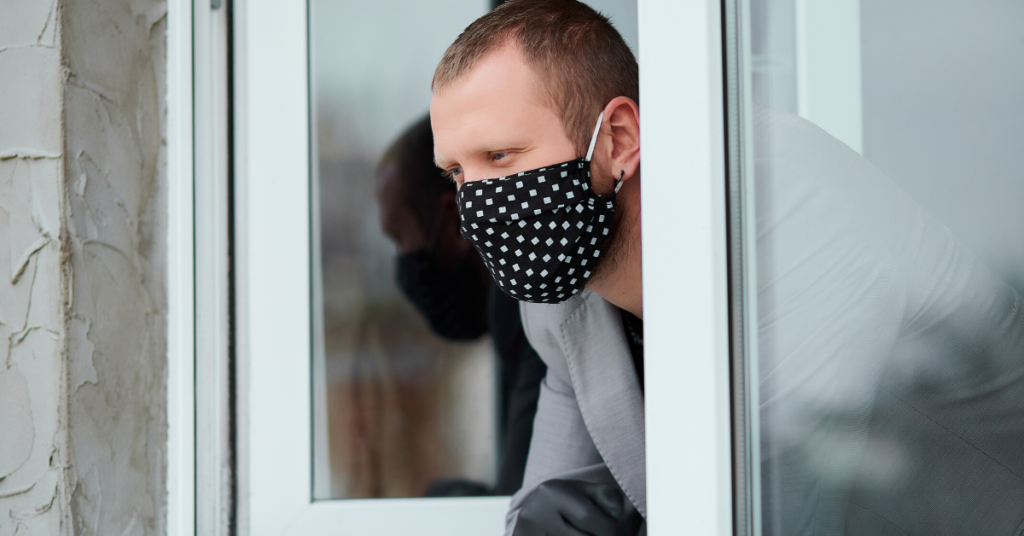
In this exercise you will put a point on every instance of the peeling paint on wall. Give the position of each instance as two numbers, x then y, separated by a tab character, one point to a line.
82	300
15	421
33	447
113	54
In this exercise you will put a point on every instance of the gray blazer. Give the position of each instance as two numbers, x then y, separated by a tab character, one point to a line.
577	433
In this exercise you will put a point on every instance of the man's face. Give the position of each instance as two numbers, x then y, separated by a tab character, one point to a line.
496	121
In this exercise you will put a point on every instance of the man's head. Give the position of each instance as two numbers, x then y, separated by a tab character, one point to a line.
522	88
581	60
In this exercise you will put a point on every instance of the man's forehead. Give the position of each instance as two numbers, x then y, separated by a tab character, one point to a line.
470	141
505	58
500	77
487	105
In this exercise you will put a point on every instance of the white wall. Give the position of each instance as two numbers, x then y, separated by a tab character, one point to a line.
33	490
82	305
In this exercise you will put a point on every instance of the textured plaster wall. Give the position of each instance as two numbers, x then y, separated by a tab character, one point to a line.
33	279
82	299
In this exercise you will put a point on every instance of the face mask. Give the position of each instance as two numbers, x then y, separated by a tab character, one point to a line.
540	232
453	301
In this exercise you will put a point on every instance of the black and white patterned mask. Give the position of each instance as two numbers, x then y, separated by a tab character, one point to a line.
540	232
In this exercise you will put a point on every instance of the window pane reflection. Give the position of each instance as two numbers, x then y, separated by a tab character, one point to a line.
397	409
888	139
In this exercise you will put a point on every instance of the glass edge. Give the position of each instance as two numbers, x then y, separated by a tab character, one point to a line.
316	335
741	281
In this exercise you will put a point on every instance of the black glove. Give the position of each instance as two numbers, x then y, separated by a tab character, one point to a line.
577	508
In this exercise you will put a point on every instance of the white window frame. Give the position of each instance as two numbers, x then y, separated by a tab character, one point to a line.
687	362
198	466
828	68
686	345
212	256
180	274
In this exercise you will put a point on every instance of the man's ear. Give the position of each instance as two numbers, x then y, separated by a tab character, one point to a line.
621	127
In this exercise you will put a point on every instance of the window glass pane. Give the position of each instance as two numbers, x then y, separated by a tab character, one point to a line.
886	145
415	391
397	409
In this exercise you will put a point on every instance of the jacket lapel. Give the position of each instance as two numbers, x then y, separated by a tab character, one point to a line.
608	391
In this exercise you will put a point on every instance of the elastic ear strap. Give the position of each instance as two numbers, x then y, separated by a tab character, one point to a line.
618	181
593	139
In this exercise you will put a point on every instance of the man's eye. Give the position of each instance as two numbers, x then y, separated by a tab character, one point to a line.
453	175
499	156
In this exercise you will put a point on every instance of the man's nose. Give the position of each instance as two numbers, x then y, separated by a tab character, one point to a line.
473	175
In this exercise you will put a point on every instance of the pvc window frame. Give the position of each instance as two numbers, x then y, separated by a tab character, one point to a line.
199	468
214	452
180	273
685	269
684	220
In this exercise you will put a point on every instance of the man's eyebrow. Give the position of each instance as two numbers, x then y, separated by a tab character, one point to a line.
441	163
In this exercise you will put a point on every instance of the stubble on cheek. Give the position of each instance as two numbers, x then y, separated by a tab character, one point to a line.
617	248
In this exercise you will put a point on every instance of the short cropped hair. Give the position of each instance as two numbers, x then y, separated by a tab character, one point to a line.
579	56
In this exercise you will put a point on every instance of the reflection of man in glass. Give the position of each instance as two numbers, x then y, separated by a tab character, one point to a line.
891	362
436	268
448	284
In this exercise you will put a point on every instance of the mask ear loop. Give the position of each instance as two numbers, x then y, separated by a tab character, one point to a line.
593	139
590	151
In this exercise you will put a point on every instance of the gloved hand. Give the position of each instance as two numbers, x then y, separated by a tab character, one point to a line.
577	508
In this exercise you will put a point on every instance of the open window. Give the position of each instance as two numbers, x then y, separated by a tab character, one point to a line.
353	408
781	360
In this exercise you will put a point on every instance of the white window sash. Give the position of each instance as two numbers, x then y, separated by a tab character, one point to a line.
686	351
688	426
180	281
275	294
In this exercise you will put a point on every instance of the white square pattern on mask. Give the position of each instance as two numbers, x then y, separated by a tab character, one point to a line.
540	232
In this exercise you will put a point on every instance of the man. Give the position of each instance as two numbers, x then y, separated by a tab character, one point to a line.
867	307
501	106
447	283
